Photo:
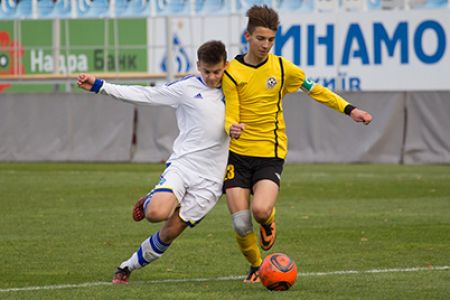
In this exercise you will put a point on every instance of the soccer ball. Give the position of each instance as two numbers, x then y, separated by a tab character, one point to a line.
278	272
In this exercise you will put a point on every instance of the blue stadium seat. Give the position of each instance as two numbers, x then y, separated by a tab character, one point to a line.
132	8
207	7
93	8
352	5
25	9
424	4
172	7
243	5
296	5
49	9
392	4
327	5
8	10
14	9
373	4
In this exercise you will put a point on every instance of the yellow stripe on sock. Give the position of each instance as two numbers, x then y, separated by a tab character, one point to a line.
271	218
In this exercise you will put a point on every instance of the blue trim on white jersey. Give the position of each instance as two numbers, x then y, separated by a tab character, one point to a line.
98	83
192	224
150	195
164	190
179	80
200	78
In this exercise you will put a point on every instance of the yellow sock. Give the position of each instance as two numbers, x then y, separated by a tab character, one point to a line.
249	247
271	218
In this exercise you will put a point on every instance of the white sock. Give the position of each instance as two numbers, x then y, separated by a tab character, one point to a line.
151	249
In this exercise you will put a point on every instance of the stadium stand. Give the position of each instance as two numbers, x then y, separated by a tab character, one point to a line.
392	4
352	5
93	8
132	8
424	4
172	7
64	9
296	5
327	5
54	8
13	9
243	5
203	7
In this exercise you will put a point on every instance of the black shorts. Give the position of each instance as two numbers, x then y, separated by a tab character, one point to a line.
245	171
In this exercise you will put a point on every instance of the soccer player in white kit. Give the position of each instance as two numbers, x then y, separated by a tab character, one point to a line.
191	184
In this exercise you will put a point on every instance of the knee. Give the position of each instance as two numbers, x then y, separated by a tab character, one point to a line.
242	222
154	215
261	213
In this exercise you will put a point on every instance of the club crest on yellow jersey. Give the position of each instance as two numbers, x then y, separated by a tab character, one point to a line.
271	82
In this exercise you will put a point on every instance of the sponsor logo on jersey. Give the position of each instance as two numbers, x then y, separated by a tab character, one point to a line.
271	82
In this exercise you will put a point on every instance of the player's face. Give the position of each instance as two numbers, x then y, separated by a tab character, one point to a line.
260	42
212	73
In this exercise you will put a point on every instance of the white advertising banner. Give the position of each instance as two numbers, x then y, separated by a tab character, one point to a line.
349	51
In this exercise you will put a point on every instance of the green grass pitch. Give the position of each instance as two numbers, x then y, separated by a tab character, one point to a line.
65	227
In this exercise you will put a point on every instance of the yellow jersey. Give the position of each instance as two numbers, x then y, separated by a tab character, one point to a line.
254	97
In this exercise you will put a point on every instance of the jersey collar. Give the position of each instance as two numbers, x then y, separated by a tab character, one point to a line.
200	78
240	58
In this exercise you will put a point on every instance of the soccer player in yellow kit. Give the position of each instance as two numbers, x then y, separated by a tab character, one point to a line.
254	86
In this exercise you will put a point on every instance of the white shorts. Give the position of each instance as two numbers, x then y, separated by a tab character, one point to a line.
196	195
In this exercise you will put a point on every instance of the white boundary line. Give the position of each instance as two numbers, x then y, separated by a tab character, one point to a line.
227	278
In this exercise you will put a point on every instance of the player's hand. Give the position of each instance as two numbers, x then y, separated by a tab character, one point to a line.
85	81
359	115
236	130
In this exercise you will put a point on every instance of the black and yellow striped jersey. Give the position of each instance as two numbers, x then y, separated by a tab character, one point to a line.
254	96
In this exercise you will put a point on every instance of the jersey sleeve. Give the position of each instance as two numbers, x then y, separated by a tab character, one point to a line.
229	87
329	98
165	95
294	76
296	79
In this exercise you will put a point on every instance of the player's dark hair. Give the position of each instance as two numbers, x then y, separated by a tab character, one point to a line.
262	16
212	52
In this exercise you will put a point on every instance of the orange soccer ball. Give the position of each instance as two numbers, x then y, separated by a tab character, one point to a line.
278	272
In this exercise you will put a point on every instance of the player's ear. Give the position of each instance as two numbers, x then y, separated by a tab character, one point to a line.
198	65
247	35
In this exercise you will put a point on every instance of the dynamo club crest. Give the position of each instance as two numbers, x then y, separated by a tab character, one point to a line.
182	63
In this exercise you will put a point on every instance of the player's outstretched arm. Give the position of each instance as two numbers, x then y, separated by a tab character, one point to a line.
359	115
86	81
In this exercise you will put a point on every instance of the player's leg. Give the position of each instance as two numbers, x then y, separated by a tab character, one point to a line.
263	209
266	186
160	203
152	248
172	228
237	186
160	206
156	206
238	204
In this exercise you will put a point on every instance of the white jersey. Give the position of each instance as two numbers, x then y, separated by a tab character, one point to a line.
202	143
